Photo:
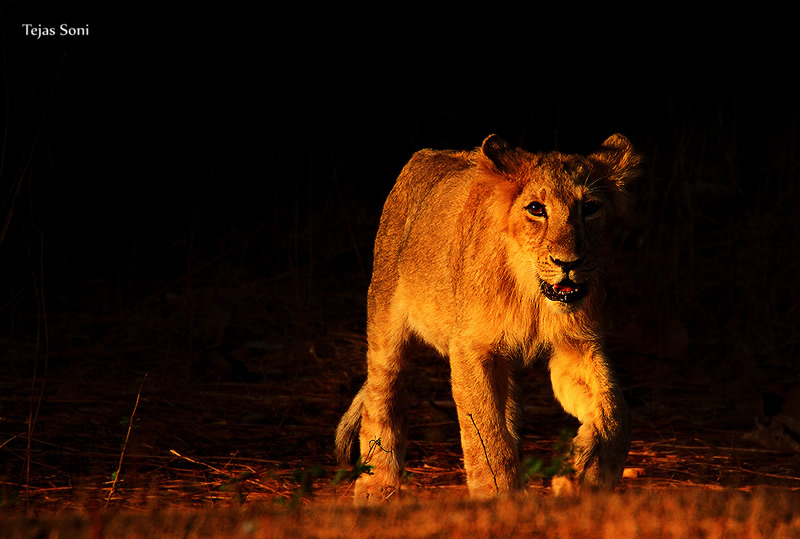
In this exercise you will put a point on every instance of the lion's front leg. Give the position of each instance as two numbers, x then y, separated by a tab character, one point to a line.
481	391
585	386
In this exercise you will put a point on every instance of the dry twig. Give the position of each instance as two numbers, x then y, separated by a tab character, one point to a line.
125	444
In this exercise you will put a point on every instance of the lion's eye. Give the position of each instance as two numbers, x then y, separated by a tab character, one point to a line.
590	207
536	209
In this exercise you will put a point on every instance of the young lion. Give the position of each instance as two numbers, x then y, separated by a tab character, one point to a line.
491	257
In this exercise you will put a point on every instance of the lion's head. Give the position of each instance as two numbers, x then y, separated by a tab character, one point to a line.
560	208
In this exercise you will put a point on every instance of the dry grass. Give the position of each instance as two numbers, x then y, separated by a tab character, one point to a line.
682	512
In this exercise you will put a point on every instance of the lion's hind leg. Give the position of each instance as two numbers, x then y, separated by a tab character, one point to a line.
383	404
383	435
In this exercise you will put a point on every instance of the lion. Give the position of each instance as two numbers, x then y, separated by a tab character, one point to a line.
493	258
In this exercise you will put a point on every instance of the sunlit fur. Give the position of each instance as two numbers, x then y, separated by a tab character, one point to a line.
459	262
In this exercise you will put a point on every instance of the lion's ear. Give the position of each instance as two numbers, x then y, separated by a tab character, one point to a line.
495	149
617	155
493	145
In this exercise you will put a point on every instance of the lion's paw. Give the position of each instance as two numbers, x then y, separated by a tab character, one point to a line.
565	486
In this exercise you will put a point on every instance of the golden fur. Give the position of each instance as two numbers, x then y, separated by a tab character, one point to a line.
490	257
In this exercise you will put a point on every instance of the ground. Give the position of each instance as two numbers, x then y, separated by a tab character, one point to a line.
234	393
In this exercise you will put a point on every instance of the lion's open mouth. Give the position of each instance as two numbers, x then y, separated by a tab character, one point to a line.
565	291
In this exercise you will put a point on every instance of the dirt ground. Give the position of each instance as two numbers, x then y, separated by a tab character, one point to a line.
234	392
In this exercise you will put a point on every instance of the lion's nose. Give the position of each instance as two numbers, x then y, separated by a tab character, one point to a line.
567	265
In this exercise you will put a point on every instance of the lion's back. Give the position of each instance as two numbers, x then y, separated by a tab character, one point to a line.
415	216
416	237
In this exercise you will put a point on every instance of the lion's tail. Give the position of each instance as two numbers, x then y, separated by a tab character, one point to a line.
347	445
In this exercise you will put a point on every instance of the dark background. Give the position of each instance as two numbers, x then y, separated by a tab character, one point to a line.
212	146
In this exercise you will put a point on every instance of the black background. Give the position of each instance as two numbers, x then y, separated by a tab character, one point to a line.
170	137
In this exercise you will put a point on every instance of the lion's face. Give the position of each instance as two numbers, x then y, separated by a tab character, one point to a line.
559	219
